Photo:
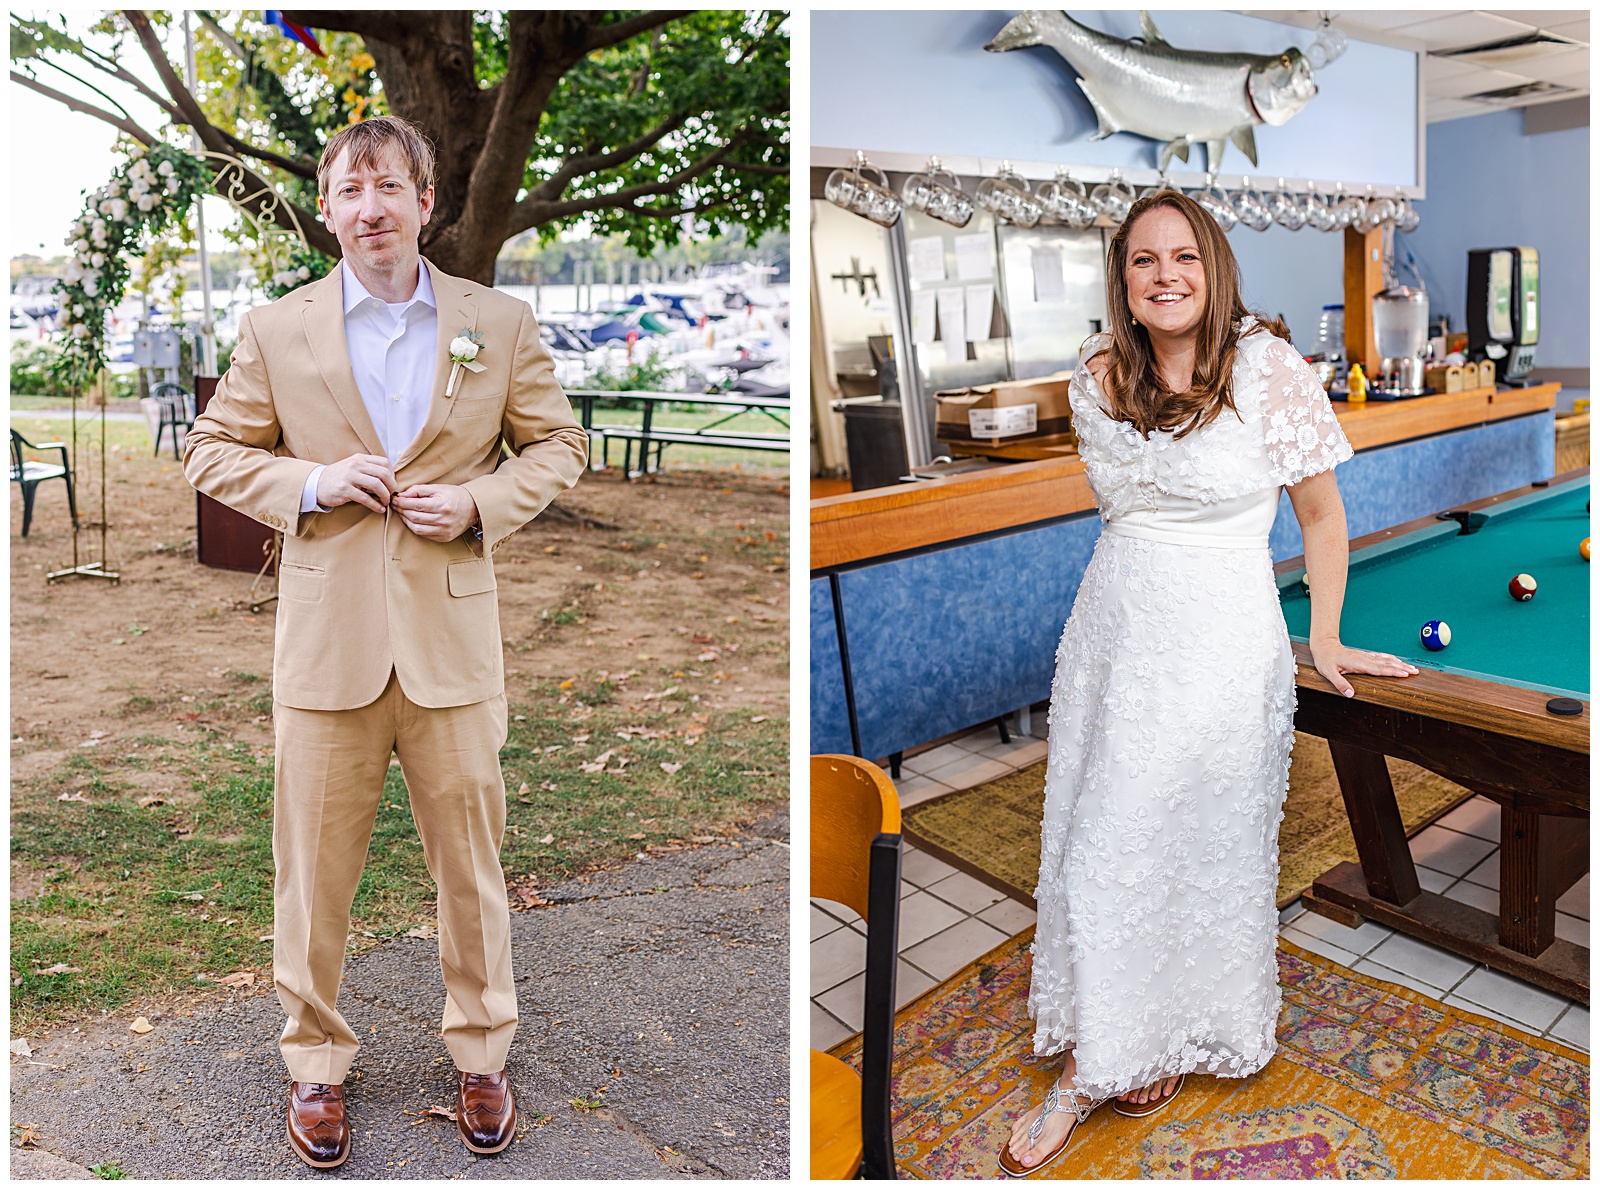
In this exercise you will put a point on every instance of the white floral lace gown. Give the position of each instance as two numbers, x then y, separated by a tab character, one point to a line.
1171	721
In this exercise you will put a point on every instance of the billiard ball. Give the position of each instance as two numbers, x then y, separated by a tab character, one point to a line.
1435	635
1583	548
1523	587
1305	583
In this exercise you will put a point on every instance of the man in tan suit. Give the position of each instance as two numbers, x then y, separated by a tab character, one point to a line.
344	422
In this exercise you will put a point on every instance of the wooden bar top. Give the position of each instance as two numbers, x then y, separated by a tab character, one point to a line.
880	521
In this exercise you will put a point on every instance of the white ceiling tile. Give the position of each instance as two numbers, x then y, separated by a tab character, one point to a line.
1542	17
1562	65
1461	29
1478	79
1435	68
1392	19
1577	30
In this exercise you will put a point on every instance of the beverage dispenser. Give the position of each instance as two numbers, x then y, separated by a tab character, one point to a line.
1503	308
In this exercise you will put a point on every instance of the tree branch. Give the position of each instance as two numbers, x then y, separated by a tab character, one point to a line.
537	208
555	185
188	109
243	149
77	105
609	35
217	141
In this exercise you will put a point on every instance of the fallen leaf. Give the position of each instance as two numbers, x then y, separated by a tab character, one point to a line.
708	655
239	979
21	1048
152	799
29	1137
523	792
72	797
140	1025
58	969
759	719
548	839
419	932
669	767
444	1113
194	896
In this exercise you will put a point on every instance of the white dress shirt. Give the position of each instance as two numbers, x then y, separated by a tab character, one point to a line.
392	348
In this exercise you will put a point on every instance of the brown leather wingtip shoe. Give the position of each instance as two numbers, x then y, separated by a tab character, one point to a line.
486	1113
319	1134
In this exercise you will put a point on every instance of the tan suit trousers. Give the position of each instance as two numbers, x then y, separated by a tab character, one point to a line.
330	772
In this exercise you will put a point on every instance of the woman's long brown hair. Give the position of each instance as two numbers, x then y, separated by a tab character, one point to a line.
1134	385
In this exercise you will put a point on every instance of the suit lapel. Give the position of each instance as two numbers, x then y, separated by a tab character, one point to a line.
456	310
322	316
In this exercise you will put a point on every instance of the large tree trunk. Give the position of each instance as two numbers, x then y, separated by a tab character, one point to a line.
481	136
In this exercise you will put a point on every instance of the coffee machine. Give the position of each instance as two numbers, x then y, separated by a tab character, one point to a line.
1503	309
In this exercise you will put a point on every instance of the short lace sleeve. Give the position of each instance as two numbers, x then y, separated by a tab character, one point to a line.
1303	435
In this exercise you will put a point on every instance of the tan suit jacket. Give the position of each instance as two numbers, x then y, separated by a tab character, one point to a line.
359	593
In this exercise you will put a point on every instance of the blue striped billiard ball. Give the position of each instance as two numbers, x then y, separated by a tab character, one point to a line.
1435	635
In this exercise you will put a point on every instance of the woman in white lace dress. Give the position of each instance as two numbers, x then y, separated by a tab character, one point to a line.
1172	711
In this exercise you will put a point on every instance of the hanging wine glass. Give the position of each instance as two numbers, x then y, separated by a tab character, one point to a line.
1214	199
1320	212
1251	208
1113	197
1067	201
1288	208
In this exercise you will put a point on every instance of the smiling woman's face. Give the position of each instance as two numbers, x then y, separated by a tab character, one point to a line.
375	210
1165	279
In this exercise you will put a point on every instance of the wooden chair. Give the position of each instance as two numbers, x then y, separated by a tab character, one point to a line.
855	860
30	474
177	409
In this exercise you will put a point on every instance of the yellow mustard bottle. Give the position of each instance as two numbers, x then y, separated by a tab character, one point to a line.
1357	385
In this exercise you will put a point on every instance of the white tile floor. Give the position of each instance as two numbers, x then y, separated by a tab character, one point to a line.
948	919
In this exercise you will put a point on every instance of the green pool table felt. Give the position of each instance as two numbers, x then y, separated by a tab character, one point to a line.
1437	573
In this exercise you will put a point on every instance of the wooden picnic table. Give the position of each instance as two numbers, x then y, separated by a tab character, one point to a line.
648	435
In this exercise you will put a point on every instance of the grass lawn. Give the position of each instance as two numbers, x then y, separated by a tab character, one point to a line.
141	896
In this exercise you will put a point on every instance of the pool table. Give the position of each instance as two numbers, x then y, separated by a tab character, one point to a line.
1484	713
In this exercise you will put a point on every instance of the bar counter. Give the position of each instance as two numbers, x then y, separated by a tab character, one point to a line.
882	521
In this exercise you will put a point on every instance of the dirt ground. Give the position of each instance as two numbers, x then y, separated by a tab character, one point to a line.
683	575
81	648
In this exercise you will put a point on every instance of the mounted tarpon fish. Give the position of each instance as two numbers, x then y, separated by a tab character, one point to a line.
1182	97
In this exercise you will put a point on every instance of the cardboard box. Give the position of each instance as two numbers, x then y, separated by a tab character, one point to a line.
995	413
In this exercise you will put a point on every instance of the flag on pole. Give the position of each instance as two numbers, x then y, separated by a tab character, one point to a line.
299	32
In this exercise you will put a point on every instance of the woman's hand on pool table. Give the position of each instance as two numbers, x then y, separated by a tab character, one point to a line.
1334	660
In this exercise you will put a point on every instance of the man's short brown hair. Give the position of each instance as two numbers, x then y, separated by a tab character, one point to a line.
367	139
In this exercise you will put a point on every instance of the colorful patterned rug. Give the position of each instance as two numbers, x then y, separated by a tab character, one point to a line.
992	830
1371	1080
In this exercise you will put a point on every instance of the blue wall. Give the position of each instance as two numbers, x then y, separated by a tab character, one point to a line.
920	82
1293	273
1489	186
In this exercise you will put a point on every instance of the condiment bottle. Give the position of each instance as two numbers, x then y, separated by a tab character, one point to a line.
1357	385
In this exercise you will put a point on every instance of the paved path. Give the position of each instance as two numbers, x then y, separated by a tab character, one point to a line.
665	982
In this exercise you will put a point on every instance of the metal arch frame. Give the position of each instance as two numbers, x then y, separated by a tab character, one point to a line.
233	183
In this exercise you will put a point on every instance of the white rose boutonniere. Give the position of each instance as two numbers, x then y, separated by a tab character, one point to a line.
464	350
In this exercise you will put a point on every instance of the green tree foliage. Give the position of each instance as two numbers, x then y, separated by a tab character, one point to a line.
644	125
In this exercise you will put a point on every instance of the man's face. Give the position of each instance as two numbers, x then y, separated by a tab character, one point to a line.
375	210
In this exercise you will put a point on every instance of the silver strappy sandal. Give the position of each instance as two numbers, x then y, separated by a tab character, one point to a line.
1053	1103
